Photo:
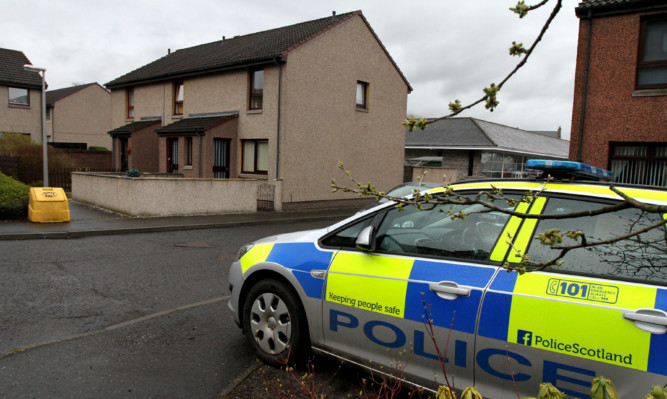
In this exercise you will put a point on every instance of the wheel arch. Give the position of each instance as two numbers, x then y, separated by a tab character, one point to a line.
265	274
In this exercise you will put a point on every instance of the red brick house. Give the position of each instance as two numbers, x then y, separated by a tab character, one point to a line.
619	118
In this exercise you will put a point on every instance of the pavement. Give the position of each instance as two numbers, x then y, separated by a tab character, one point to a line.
87	221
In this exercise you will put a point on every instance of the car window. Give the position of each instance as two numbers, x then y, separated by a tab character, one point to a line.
643	257
434	233
347	236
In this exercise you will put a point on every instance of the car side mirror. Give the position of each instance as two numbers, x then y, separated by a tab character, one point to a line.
366	239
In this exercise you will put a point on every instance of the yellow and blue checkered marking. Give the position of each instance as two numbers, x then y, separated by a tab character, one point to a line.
535	317
300	258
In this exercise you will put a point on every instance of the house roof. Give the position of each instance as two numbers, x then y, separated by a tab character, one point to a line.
237	52
600	7
52	96
12	72
196	124
476	134
130	128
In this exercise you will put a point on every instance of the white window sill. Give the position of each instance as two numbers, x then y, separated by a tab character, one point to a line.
252	176
649	93
253	111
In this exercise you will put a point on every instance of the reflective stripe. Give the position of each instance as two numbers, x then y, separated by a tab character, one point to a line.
597	190
657	360
500	251
257	254
526	234
299	258
369	282
573	325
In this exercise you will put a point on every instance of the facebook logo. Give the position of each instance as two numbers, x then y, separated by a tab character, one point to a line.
524	337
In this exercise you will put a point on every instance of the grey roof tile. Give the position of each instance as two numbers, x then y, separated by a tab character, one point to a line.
471	134
130	128
12	72
603	6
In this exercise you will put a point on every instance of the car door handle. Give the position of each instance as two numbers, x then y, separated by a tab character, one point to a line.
649	320
448	290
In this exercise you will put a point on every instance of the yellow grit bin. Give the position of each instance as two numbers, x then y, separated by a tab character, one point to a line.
48	204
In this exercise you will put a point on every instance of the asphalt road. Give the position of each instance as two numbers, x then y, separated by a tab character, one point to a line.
141	315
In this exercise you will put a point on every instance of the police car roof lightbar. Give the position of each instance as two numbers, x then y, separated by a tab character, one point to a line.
568	169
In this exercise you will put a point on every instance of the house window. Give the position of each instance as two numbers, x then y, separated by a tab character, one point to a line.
362	95
256	89
129	95
188	150
505	166
639	163
652	64
48	113
255	156
19	96
178	97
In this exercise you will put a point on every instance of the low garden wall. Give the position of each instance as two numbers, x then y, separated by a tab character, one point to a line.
165	196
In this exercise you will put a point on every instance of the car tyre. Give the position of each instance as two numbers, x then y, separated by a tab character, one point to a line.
274	323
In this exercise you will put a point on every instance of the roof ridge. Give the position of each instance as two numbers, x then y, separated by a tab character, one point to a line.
475	122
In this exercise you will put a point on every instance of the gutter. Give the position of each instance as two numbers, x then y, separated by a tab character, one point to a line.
584	95
181	75
200	134
490	149
279	61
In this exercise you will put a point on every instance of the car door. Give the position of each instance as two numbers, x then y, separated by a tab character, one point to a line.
603	312
421	277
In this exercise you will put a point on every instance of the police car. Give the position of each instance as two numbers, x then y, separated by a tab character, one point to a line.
363	289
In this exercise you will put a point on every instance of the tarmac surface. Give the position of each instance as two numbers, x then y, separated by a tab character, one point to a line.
87	221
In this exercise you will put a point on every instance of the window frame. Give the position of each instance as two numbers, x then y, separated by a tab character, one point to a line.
129	102
14	103
179	91
255	170
364	89
644	65
380	219
188	151
650	167
255	94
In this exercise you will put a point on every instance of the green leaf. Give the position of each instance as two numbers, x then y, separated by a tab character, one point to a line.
521	9
455	106
517	49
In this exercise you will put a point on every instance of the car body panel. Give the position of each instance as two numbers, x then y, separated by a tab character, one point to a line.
497	330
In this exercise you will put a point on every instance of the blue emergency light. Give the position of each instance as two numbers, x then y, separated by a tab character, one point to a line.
569	169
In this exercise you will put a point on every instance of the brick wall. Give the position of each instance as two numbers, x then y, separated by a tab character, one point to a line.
615	111
90	159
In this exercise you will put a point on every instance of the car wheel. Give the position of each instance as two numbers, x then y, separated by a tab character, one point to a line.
274	323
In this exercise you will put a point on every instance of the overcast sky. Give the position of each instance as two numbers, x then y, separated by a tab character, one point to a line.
446	49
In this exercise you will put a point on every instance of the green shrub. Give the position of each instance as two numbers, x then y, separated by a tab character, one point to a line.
14	198
10	141
97	148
